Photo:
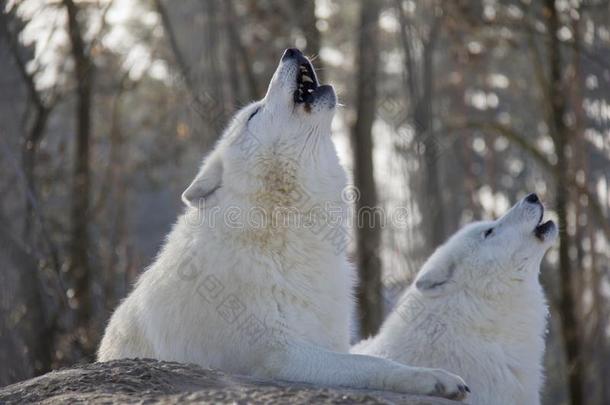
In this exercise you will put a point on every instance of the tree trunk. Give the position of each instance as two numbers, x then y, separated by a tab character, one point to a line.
173	43
35	130
28	157
241	50
28	337
215	80
432	202
420	87
81	175
369	232
560	132
305	17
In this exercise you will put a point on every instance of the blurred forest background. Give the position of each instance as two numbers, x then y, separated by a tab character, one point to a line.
453	109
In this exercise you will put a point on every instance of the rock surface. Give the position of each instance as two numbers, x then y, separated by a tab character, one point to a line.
151	381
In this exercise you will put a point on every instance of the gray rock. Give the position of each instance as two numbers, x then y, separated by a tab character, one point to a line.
151	381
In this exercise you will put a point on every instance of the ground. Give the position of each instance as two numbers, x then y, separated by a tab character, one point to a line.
150	381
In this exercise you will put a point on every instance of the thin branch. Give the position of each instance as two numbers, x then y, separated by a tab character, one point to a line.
594	5
103	24
241	49
173	42
594	205
46	237
541	158
538	68
28	78
109	176
405	34
508	133
528	23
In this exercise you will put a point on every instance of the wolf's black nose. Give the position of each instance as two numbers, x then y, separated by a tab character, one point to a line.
291	53
532	198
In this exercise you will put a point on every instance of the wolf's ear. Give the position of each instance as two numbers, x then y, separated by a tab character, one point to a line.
206	182
437	279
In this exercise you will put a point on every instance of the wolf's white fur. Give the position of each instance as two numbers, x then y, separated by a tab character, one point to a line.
477	309
232	289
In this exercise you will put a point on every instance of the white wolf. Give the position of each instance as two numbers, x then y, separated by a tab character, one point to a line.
253	278
476	308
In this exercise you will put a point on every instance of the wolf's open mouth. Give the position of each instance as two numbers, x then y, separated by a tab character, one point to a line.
307	83
543	227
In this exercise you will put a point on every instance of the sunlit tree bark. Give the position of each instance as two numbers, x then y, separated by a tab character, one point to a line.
561	139
420	88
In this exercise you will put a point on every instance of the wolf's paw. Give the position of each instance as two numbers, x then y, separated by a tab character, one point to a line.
427	381
443	384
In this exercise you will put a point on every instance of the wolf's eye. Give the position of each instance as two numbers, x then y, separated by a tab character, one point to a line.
253	114
488	232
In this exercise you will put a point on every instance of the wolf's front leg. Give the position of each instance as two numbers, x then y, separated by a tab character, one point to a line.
308	363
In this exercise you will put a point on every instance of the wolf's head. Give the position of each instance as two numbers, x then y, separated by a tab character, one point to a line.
491	257
278	149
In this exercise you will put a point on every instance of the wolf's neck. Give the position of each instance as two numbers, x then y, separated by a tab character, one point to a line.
296	230
519	316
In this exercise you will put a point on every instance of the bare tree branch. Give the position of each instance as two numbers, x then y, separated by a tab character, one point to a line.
35	128
405	36
542	158
241	50
173	42
508	133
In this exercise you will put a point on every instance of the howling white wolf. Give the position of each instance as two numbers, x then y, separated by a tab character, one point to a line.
254	278
476	308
